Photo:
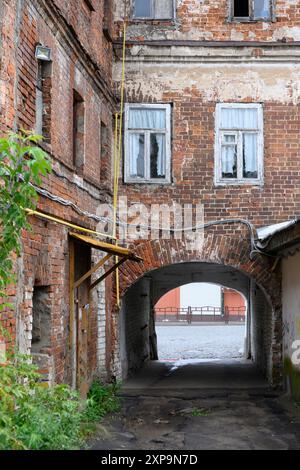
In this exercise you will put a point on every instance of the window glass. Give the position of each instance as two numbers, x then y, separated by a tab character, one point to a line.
229	161
137	155
163	9
147	143
239	143
241	8
147	119
239	118
250	156
142	8
262	9
157	155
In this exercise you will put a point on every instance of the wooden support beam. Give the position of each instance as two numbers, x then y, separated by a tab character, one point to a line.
111	270
92	270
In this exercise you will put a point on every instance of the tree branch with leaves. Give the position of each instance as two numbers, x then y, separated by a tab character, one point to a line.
22	165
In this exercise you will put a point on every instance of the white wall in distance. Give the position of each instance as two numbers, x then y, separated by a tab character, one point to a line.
200	295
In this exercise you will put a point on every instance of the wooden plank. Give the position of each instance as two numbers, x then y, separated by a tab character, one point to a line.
92	270
111	270
107	247
72	335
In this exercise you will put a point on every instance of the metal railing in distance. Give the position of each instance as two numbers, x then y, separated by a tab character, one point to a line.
206	314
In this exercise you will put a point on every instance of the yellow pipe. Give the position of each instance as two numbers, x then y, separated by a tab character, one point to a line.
118	155
115	177
68	224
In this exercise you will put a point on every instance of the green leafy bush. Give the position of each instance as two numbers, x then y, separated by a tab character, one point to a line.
33	417
22	164
101	400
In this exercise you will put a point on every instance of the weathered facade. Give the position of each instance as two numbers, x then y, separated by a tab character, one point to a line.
198	61
211	117
70	101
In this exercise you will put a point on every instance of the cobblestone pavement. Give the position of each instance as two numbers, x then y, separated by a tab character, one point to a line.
200	341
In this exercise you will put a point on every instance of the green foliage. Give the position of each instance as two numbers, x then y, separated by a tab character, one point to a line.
33	417
200	412
101	400
21	165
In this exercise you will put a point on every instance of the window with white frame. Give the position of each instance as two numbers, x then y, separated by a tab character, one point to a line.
147	143
252	10
239	144
154	9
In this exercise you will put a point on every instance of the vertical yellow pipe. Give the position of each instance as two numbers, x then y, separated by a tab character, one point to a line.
118	155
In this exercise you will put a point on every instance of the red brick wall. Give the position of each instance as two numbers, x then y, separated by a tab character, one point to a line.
208	20
81	61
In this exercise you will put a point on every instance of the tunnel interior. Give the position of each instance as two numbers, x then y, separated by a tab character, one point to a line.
138	341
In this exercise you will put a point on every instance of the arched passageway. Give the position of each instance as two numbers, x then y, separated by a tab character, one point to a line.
137	326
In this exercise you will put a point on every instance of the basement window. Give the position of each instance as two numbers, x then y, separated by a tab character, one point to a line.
154	9
251	10
239	144
147	143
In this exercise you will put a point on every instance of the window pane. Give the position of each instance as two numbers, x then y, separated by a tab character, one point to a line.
262	9
147	119
137	155
163	9
250	169
142	9
157	156
241	8
229	139
239	118
229	161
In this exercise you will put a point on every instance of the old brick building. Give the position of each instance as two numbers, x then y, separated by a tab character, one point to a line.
69	100
210	66
211	117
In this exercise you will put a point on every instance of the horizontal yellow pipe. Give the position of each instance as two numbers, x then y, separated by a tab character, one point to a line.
68	224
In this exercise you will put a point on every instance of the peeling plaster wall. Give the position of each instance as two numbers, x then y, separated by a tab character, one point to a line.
236	75
194	80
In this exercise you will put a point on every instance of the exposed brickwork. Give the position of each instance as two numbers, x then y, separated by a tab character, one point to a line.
193	81
81	61
208	20
233	252
193	78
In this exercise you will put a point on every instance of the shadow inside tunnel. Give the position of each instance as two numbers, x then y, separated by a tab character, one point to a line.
194	375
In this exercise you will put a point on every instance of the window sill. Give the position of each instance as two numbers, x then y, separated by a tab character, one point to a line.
249	182
249	20
148	182
153	21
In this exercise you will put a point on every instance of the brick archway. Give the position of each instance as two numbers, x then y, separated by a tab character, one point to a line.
220	251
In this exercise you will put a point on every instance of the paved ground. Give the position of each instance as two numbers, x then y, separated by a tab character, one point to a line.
201	406
200	341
